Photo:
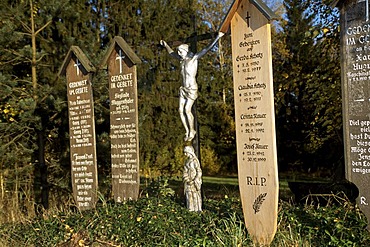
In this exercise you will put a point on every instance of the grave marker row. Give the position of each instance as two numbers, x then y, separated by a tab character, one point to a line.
121	62
254	114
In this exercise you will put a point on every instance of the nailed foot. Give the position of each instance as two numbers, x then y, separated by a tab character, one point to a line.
191	135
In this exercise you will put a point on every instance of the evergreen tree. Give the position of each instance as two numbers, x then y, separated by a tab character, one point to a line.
216	101
34	122
306	66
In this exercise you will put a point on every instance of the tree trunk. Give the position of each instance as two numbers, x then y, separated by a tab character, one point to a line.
43	171
42	168
33	41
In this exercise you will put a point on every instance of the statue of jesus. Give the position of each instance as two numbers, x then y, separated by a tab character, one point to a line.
188	92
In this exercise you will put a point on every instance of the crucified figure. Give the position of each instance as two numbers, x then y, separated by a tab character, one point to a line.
188	92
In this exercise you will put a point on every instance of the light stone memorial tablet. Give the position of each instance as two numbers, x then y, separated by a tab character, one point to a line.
254	116
124	126
78	71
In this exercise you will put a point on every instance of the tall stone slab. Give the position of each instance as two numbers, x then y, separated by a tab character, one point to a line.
254	116
124	125
355	73
78	71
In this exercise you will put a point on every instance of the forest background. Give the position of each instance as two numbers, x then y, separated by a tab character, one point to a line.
35	36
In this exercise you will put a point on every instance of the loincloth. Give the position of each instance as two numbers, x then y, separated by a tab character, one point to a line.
188	93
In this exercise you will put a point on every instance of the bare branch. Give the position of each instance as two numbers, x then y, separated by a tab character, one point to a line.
27	34
22	80
38	60
10	61
44	26
28	29
14	140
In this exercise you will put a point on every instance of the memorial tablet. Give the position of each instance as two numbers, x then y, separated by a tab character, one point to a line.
254	116
78	71
355	52
124	126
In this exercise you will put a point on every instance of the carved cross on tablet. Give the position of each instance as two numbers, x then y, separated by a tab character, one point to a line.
367	8
120	57
248	17
77	64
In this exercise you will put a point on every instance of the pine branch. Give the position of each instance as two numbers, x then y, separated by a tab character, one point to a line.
17	54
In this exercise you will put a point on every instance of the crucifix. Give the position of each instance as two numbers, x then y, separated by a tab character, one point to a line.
188	92
77	65
120	57
193	40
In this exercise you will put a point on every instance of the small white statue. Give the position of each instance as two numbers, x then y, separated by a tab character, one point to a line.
192	178
189	91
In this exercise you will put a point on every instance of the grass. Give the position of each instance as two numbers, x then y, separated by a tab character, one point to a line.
223	181
159	218
216	187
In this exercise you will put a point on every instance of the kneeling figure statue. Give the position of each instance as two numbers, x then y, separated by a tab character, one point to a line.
192	177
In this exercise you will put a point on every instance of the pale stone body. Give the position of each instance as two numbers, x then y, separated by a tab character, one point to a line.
188	92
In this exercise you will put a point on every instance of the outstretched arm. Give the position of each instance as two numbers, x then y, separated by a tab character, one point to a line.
169	50
205	50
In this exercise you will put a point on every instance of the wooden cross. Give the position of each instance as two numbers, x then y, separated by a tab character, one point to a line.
77	64
120	57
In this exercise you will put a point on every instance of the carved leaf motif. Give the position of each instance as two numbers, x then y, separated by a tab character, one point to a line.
258	202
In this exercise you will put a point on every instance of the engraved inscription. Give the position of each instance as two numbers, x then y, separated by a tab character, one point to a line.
251	93
123	126
357	76
82	141
123	130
